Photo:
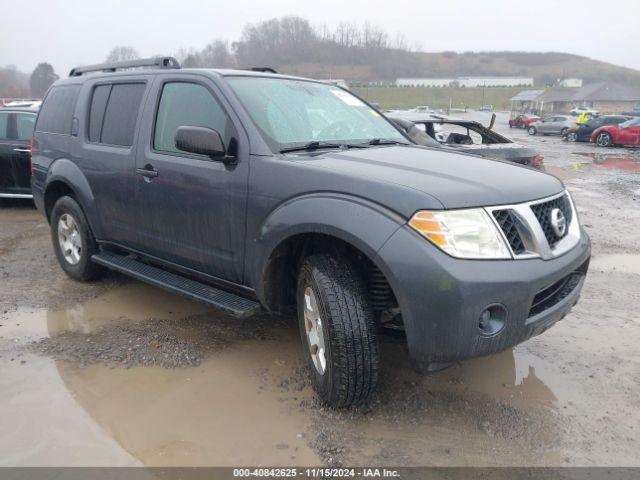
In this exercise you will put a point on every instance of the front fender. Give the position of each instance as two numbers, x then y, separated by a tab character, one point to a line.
65	171
359	222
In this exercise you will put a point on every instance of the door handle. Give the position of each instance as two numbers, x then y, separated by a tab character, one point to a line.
148	172
22	150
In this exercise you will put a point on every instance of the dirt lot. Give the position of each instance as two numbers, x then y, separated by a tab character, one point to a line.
120	373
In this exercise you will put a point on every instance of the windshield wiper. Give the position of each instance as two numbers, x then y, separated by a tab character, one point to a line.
386	141
312	146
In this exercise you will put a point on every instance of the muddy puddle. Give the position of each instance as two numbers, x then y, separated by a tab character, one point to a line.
140	376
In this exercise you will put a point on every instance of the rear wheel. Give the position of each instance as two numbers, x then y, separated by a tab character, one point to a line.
337	329
73	241
532	130
604	139
564	131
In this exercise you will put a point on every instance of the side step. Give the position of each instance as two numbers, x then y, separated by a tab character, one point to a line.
229	303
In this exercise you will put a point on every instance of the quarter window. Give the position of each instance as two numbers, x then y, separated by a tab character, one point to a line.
186	104
57	109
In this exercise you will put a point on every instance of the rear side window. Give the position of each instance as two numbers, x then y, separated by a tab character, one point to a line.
114	112
24	125
186	104
57	109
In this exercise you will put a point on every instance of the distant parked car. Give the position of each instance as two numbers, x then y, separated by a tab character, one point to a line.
627	133
553	125
523	121
582	133
440	132
16	130
633	113
23	104
580	110
486	108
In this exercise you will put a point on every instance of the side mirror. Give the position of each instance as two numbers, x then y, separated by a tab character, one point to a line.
200	140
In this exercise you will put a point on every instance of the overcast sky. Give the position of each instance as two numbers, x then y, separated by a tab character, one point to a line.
69	32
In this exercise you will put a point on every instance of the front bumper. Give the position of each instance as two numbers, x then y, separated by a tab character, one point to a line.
442	298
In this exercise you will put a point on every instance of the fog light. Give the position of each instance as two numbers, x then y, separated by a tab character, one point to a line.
492	320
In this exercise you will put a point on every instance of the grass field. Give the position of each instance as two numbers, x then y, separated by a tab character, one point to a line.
395	97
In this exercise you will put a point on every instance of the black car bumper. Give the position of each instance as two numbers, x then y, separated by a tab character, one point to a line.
442	299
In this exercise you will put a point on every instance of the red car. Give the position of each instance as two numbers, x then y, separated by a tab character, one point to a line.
523	121
626	133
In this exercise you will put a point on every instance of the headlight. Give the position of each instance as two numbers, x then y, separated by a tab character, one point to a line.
462	233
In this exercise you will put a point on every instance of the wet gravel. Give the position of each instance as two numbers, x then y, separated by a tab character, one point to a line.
154	342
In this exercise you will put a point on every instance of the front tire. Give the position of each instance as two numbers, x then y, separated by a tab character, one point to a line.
532	130
73	241
563	132
604	139
338	331
572	137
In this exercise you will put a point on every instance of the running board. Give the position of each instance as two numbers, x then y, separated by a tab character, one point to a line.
227	302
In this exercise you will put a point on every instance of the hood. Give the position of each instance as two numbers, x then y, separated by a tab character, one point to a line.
455	180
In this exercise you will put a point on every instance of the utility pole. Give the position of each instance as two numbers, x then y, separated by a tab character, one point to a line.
484	85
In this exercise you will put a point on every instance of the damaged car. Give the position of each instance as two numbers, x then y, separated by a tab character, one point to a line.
469	137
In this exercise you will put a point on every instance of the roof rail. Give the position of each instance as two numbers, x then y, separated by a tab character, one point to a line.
158	62
263	69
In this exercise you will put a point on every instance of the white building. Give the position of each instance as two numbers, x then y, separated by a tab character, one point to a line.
470	82
571	82
424	82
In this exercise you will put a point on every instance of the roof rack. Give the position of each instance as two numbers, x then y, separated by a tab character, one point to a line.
158	62
263	69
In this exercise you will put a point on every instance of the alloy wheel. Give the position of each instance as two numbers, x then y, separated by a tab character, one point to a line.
69	239
314	330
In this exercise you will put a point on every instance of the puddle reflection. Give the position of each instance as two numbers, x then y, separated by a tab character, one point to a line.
507	376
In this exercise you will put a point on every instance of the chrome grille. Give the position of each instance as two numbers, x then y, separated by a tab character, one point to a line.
507	222
542	211
527	229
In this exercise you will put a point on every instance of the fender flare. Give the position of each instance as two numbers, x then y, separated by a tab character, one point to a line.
65	171
360	222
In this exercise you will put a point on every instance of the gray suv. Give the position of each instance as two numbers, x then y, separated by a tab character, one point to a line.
249	190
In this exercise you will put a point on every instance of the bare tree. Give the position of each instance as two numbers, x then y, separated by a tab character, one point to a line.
122	54
217	54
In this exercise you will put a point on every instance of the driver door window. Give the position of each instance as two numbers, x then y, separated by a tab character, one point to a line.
186	104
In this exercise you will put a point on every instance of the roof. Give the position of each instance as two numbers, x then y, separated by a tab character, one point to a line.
607	92
558	95
594	92
527	95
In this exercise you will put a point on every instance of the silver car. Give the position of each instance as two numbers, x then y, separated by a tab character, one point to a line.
553	125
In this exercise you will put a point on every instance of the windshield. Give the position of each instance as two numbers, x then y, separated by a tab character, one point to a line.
634	122
297	112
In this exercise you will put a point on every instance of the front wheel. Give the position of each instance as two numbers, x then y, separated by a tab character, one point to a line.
532	130
604	139
572	137
337	329
563	132
73	241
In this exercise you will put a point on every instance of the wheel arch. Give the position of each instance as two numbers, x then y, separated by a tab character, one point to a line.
66	178
358	232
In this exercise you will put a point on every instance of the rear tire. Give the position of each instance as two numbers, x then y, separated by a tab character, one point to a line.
563	132
337	330
604	139
73	241
532	130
